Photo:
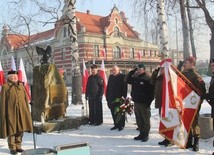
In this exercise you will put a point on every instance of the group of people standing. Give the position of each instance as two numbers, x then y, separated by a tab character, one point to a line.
15	118
144	89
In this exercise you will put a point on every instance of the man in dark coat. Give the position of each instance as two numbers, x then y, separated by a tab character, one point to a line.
142	94
210	95
94	93
190	73
116	88
15	115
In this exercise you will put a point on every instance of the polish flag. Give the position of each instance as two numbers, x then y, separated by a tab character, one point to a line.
23	78
103	75
2	79
122	54
13	64
139	55
103	53
180	103
85	76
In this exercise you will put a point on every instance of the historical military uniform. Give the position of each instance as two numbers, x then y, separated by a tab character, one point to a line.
198	82
15	115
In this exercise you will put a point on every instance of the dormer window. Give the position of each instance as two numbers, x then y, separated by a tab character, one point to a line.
116	21
116	31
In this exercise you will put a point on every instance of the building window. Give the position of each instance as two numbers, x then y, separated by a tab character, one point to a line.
63	53
116	31
132	53
143	53
116	21
64	32
96	51
117	52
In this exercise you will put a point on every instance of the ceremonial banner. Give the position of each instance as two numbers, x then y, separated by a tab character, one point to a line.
85	76
103	75
180	102
23	78
2	78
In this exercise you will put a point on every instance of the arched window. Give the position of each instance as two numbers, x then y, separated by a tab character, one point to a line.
131	53
116	31
117	52
116	21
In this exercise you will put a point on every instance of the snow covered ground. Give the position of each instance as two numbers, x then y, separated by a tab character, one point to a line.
104	141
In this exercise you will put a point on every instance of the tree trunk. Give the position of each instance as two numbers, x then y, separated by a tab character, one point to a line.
163	28
185	29
192	40
76	74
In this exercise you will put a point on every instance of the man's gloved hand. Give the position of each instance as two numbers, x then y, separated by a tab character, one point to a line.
86	97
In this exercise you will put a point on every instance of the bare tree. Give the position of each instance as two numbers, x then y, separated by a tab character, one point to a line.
210	23
192	40
70	19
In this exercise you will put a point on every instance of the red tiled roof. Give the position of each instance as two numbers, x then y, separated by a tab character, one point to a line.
92	23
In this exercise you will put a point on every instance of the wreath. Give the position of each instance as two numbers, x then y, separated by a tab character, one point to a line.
123	106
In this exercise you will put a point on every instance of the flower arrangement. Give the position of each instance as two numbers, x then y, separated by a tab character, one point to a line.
123	106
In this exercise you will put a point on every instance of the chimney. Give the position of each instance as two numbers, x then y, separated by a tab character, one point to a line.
88	12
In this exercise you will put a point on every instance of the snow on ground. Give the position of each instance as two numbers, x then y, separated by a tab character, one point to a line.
104	141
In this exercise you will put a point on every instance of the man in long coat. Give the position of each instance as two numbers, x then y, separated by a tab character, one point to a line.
15	115
116	88
94	93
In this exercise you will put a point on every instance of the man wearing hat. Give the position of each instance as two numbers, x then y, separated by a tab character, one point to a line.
142	94
94	93
210	95
15	115
190	73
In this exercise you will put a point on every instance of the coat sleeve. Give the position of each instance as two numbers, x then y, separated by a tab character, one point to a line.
129	77
154	77
3	130
101	86
107	88
124	86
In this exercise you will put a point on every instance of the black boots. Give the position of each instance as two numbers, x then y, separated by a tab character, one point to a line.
139	137
195	144
165	142
189	142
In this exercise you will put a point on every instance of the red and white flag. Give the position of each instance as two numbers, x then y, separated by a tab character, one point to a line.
13	64
123	54
180	103
2	78
103	75
23	78
103	53
139	55
85	76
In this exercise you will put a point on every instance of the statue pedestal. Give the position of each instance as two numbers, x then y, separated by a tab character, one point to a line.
49	93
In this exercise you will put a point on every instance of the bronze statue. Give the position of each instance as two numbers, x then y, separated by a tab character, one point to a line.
46	54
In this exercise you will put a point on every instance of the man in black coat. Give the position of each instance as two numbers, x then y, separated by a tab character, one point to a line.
142	94
116	88
94	93
210	95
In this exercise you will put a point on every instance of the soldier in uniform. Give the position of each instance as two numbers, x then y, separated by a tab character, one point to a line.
116	88
94	93
142	94
15	115
190	73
